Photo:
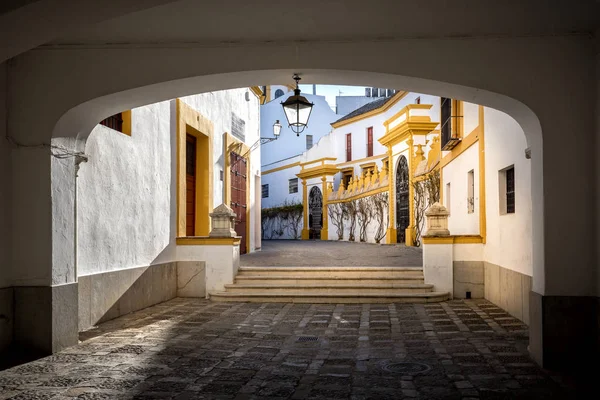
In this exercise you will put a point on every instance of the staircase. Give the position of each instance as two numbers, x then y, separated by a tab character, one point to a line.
330	285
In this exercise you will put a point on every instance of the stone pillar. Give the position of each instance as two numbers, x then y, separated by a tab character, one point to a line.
223	222
305	231
438	250
325	227
391	234
44	248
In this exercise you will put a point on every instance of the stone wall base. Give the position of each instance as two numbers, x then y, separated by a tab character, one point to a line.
508	289
564	332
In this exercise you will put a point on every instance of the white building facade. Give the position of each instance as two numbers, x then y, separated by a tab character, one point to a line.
384	164
145	195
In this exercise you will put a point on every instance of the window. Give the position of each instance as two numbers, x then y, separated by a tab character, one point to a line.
309	141
346	176
471	192
506	178
370	142
348	147
446	111
448	197
265	191
510	190
293	186
119	122
278	93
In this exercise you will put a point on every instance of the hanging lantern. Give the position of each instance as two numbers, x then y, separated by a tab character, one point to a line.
297	109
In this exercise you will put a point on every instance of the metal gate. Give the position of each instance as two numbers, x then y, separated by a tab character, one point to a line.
238	196
402	203
315	212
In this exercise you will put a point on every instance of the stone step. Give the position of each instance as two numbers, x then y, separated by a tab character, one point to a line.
348	289
332	272
325	280
330	298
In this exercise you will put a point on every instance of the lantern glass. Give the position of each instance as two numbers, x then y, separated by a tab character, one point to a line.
276	128
297	111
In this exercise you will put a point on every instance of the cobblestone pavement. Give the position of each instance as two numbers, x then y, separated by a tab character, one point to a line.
196	349
329	253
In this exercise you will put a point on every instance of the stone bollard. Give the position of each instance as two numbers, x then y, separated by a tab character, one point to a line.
223	222
438	255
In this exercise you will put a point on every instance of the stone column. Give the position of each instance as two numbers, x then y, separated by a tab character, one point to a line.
305	232
438	250
325	227
391	234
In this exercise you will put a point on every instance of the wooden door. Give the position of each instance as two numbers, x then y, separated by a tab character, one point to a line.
238	196
190	186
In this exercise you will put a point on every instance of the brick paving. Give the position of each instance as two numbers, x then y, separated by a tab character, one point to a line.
324	253
197	349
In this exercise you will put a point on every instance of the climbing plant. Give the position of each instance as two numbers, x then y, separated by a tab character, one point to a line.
337	214
426	192
380	206
286	218
364	212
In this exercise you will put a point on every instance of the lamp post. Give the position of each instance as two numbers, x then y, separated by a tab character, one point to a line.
297	109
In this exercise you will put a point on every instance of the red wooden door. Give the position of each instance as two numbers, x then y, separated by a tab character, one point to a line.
190	186
349	147
370	142
238	196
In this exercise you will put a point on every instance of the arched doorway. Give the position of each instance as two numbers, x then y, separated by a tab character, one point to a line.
402	201
315	212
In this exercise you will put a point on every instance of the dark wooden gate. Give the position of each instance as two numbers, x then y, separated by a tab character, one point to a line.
315	212
238	196
190	186
402	201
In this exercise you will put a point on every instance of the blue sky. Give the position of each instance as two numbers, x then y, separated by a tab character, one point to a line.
330	91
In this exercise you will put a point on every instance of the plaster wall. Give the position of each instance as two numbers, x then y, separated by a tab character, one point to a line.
470	117
505	145
460	221
288	144
279	192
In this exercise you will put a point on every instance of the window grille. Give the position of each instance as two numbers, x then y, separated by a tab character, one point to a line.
265	191
309	141
114	122
510	190
293	185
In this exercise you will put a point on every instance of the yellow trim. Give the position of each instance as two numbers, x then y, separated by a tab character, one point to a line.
258	93
453	239
360	196
347	169
190	121
482	204
126	116
409	238
391	236
315	172
325	211
270	171
305	232
367	165
318	160
366	159
233	144
405	110
207	241
395	99
462	146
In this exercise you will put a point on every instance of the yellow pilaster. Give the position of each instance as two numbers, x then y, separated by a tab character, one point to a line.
391	236
325	227
305	233
482	210
409	233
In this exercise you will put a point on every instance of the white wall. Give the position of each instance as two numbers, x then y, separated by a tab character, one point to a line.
460	222
126	191
509	241
288	144
279	188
